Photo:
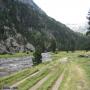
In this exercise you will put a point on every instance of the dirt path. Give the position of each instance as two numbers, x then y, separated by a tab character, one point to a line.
16	84
35	87
58	82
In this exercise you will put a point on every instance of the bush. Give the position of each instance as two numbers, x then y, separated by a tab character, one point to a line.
37	57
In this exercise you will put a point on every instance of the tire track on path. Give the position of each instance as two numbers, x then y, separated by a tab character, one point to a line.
58	82
18	83
35	87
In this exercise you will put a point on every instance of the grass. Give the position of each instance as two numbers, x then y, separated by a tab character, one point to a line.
47	69
17	77
65	78
13	78
20	54
85	65
27	84
77	75
54	76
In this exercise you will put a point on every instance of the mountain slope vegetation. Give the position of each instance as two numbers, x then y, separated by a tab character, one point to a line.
24	26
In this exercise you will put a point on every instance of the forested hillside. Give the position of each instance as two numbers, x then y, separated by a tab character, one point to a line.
24	26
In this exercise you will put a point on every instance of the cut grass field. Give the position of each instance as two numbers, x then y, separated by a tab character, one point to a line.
85	65
76	74
16	77
52	68
77	77
47	85
33	80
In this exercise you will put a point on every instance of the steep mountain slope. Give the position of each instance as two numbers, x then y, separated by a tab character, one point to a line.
24	26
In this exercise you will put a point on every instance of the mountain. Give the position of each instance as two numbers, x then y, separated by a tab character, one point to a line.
34	6
24	26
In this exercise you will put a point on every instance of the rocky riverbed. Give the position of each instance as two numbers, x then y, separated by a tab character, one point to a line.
11	65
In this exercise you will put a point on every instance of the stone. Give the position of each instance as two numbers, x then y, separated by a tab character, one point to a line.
29	47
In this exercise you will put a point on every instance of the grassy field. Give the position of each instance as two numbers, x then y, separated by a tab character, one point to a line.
20	54
75	77
78	75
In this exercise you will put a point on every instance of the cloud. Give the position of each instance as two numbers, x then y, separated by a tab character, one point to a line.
66	11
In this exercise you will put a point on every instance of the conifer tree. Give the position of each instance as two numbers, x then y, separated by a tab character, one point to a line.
88	17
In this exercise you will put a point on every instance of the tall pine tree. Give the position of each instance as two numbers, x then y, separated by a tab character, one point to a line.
88	17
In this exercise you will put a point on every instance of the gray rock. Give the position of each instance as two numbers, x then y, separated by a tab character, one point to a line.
3	49
12	45
29	47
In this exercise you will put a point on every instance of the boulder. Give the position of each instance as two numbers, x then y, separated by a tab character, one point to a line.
3	49
29	47
85	56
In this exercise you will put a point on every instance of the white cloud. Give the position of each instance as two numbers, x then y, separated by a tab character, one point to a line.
66	11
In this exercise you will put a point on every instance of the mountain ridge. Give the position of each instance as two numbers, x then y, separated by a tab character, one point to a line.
33	4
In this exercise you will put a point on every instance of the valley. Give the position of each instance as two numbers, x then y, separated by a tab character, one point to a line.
38	52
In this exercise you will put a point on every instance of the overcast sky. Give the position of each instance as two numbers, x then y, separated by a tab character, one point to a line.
66	11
